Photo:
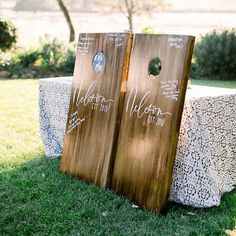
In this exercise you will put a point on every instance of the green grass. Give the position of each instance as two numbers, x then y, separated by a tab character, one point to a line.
37	199
215	83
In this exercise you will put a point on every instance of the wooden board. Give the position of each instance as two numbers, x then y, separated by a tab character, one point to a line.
93	120
151	118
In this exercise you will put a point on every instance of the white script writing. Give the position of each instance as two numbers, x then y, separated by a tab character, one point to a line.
144	107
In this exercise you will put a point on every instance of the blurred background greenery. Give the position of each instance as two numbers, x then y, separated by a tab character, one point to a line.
41	41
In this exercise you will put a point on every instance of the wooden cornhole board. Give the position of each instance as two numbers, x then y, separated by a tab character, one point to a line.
92	124
151	118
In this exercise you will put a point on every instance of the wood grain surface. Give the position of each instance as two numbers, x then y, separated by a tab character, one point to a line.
93	118
151	119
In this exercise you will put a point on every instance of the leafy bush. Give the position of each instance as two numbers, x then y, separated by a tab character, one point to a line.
215	56
52	58
28	59
7	35
69	62
57	58
52	53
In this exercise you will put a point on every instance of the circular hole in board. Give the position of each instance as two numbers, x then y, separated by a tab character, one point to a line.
154	67
99	61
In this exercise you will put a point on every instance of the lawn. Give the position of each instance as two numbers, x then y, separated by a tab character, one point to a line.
215	83
37	199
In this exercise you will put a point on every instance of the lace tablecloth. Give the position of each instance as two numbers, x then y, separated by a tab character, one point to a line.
205	165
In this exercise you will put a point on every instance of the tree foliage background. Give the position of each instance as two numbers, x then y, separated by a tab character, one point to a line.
7	35
214	56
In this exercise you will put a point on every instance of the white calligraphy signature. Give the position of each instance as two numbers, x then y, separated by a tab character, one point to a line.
143	107
91	96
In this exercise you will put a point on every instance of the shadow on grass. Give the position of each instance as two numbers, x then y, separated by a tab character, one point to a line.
36	198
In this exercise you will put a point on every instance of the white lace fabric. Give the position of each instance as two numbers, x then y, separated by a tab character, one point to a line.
205	163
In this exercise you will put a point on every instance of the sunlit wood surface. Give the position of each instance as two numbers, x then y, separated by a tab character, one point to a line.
151	119
93	118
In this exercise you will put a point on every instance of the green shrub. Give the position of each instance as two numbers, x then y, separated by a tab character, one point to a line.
50	59
52	53
28	58
7	35
214	56
57	58
69	62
